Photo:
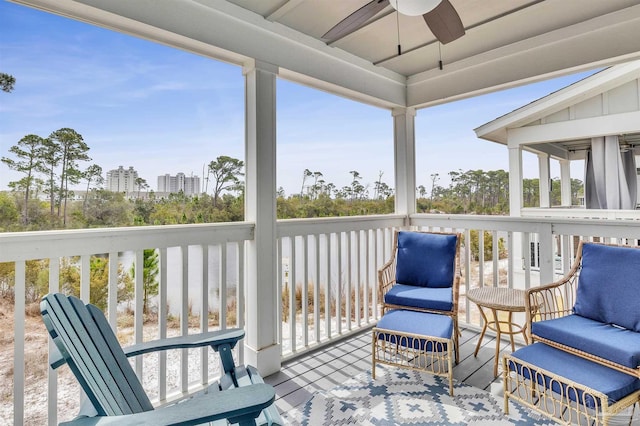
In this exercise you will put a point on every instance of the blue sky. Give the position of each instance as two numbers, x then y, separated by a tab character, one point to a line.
162	110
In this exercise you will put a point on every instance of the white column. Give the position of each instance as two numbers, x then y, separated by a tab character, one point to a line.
515	181
565	183
262	348
545	179
405	160
515	203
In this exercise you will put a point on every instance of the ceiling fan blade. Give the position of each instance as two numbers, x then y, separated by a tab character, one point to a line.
355	20
444	22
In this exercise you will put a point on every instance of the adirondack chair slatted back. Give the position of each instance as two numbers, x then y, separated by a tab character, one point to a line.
90	348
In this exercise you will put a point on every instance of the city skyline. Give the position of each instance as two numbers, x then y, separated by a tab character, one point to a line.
188	185
158	108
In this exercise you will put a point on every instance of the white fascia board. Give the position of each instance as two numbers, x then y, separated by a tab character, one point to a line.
563	98
334	89
234	34
602	41
497	135
585	128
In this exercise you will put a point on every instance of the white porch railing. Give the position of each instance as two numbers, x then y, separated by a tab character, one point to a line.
328	276
186	254
332	262
578	212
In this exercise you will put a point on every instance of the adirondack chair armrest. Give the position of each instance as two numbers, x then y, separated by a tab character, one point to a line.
55	357
238	405
213	338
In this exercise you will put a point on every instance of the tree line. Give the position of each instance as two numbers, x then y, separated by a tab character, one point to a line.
485	192
470	192
53	165
314	186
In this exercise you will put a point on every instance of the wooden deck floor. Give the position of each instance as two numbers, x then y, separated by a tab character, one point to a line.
331	366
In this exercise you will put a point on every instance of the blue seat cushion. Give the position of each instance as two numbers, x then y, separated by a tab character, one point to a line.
438	299
426	260
609	285
614	384
419	323
606	341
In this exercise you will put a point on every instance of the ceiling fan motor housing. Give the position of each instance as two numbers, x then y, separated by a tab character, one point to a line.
414	7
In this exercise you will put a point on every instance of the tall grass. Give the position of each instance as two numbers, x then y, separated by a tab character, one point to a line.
361	294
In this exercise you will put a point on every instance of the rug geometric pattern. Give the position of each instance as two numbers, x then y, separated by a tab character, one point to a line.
407	397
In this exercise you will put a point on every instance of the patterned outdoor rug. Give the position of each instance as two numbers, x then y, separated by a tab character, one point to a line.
407	397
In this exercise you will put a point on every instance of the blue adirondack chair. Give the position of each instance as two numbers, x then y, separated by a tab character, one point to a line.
86	343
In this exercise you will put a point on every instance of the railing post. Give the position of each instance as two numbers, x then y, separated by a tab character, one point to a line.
112	298
204	306
85	275
139	306
545	236
162	324
305	291
18	348
261	344
52	378
292	294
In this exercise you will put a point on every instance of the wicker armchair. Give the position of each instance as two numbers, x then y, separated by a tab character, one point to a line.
427	278
593	311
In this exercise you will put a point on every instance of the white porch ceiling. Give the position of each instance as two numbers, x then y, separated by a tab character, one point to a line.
507	42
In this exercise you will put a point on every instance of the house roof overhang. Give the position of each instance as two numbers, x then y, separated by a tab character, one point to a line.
551	125
506	43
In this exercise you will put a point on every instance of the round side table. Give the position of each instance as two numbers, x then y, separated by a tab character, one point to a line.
499	299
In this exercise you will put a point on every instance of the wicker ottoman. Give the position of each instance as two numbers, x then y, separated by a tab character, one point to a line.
567	388
415	340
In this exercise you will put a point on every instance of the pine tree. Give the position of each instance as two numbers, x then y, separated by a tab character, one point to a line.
28	152
72	149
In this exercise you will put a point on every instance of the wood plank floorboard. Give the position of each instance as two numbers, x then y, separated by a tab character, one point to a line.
328	367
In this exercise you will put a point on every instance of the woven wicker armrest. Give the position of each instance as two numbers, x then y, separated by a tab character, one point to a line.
551	301
386	278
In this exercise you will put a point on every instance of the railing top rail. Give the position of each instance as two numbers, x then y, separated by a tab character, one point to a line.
579	212
610	228
292	227
15	246
622	228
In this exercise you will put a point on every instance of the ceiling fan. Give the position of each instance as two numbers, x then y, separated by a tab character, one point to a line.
439	15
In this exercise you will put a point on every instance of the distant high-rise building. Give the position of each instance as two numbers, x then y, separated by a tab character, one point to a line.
189	185
121	180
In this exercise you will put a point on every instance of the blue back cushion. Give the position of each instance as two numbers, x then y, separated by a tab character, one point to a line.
609	285
426	260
